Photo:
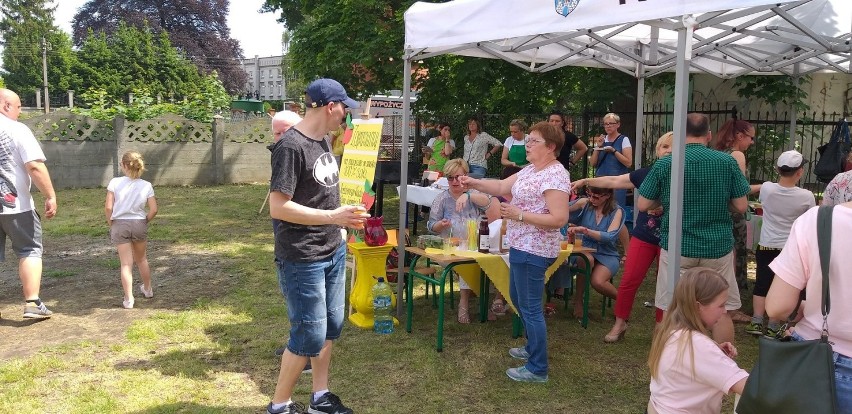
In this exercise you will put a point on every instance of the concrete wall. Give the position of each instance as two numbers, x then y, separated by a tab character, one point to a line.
82	152
826	93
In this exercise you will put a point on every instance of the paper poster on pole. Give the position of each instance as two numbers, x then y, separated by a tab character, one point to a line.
358	168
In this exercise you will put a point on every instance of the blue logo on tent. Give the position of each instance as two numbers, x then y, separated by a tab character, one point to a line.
565	7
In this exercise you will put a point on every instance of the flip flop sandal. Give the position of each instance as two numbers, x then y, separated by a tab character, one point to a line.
464	316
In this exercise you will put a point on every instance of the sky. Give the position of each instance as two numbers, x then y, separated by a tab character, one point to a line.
258	33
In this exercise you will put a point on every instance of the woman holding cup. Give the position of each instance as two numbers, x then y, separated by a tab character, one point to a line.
643	248
598	220
449	215
539	208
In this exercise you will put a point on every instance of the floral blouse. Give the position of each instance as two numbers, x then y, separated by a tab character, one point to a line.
839	190
528	195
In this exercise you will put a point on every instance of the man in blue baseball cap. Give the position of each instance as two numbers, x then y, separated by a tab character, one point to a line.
321	92
305	197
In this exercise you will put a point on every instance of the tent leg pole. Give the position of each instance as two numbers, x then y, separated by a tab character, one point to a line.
403	180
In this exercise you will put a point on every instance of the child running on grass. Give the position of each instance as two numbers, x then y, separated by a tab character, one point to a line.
689	371
128	223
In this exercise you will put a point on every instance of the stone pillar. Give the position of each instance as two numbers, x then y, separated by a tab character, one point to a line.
38	98
130	98
70	99
218	149
119	138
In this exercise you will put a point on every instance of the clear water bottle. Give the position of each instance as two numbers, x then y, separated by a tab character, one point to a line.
382	313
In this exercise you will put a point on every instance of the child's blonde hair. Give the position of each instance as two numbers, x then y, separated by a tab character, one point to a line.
696	285
133	163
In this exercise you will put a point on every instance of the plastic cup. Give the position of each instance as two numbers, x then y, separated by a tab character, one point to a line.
578	240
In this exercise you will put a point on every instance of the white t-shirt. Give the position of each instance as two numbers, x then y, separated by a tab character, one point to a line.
781	207
512	141
798	264
18	146
431	143
625	142
675	390
131	197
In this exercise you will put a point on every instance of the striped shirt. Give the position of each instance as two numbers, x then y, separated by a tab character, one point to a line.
711	179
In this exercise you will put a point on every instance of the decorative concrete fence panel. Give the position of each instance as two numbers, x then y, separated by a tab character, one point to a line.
86	152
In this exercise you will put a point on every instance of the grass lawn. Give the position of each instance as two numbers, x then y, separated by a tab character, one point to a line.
210	350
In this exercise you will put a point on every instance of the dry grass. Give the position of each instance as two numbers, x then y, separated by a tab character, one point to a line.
216	356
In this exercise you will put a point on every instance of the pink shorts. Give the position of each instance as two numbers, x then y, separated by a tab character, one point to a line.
126	231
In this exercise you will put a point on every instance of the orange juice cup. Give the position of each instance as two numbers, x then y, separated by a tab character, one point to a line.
564	244
578	240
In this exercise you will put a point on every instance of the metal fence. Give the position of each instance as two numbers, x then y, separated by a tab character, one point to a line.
772	134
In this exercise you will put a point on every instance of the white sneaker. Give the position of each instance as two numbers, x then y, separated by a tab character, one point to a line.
127	303
148	294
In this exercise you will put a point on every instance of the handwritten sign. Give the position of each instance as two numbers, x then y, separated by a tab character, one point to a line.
359	163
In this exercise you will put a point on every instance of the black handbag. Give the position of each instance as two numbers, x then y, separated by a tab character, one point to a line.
832	155
795	377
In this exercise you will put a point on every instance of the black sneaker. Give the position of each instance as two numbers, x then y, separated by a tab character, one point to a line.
328	404
293	408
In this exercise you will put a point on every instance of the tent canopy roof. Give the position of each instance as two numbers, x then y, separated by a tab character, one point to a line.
730	38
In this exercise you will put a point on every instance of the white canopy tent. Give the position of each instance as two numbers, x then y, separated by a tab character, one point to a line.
725	38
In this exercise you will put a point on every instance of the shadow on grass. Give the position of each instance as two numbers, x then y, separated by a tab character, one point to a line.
185	407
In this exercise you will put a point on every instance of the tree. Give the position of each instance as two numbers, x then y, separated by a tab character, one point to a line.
135	59
198	28
23	25
323	41
321	45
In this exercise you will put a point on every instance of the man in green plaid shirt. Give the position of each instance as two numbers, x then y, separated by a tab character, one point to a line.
713	187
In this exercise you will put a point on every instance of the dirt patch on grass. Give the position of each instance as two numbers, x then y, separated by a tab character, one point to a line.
81	284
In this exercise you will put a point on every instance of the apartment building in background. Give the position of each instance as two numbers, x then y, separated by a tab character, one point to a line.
266	80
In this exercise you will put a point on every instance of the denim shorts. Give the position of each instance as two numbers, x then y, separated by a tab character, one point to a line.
315	301
842	379
477	171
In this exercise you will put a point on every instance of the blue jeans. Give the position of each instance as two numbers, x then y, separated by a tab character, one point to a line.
526	289
315	301
477	171
842	379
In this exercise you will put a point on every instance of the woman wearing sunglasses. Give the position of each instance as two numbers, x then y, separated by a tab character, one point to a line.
599	219
644	247
735	137
453	208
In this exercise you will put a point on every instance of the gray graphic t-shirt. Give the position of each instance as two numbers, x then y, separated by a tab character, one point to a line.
305	169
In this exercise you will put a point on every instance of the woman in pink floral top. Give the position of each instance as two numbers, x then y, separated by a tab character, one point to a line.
838	190
539	208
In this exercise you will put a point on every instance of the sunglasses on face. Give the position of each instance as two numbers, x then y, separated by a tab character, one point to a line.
597	195
454	177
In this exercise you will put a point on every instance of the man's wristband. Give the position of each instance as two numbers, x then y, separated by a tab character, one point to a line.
521	216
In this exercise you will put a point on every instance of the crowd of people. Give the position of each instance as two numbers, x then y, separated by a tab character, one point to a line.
691	358
695	315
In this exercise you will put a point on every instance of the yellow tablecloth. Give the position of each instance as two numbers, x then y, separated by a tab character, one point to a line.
495	268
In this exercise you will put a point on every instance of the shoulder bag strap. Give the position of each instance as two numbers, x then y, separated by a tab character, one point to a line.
824	242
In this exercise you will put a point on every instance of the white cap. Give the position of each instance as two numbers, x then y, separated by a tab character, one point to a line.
791	160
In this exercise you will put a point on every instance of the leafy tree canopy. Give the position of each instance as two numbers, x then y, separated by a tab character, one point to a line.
135	59
360	44
198	28
23	25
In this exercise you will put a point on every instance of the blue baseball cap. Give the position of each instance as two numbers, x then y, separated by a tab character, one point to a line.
324	91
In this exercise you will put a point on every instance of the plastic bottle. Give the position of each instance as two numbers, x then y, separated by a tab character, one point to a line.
382	316
484	233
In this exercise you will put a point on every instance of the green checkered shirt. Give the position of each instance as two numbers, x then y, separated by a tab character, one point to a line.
711	179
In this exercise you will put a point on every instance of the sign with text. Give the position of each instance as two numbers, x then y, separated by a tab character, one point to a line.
359	163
